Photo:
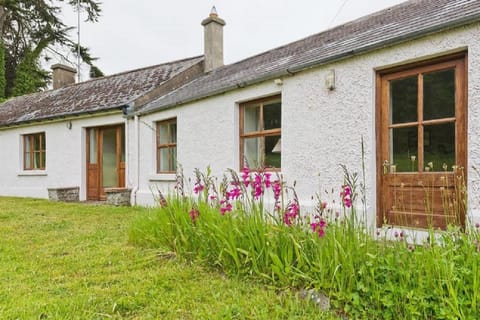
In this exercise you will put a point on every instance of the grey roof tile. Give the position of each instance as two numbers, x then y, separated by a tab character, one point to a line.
100	94
405	21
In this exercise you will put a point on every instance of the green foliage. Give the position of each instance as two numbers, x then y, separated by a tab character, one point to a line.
30	77
33	26
72	261
95	72
366	277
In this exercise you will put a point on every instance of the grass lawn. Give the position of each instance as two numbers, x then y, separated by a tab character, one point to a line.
73	261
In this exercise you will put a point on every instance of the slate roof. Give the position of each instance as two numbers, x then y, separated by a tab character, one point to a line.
96	95
406	21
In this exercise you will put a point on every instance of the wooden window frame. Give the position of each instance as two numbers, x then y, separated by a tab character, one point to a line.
457	62
28	139
168	145
261	132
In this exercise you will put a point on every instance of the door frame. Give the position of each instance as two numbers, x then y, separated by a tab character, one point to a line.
120	165
381	119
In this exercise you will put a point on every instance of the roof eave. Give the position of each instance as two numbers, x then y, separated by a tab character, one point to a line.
64	117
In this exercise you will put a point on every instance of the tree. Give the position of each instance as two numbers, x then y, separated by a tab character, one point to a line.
27	29
30	77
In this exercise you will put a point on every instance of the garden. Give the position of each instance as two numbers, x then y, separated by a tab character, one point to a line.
250	225
236	247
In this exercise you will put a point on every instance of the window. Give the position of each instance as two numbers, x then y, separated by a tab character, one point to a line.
424	115
260	133
34	151
422	140
167	146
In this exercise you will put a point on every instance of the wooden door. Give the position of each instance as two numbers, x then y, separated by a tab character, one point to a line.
421	138
105	160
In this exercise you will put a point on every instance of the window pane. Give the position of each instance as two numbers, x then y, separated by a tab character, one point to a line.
439	95
37	142
173	133
272	116
92	135
38	161
27	164
403	100
122	144
26	140
439	146
173	163
252	152
404	147
166	159
251	115
163	133
109	152
273	152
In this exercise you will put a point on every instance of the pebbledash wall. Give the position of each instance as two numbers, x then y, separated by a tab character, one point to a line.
320	128
65	156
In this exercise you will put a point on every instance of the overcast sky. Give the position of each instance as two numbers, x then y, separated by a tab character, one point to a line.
139	33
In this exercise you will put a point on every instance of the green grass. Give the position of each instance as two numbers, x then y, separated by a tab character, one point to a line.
73	261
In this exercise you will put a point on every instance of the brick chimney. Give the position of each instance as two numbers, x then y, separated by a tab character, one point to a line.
62	75
213	40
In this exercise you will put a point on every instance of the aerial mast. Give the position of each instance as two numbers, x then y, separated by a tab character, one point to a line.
78	40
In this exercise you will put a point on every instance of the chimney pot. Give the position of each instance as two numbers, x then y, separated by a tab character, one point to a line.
213	12
62	75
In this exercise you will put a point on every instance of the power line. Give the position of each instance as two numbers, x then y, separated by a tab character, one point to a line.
338	13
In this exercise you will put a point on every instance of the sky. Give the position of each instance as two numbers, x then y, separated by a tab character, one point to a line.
134	34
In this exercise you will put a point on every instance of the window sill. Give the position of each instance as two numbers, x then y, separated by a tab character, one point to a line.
162	177
32	173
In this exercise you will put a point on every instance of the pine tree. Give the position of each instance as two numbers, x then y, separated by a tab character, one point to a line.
27	29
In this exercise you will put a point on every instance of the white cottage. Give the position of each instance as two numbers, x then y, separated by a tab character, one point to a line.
404	80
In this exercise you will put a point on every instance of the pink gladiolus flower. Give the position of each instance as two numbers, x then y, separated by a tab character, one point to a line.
225	207
246	176
194	214
321	232
291	213
197	188
268	182
258	192
346	196
323	205
319	226
234	194
277	188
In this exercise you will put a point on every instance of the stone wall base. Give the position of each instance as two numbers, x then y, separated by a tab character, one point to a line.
67	194
118	196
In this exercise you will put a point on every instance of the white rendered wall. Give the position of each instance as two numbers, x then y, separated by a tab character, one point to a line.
207	135
65	157
320	128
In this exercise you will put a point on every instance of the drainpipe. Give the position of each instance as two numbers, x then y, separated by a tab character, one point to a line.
137	158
